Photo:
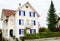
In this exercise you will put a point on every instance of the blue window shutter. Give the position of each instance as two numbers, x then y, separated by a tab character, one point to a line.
34	22
30	14
19	22
34	30
19	12
34	14
19	31
24	13
30	31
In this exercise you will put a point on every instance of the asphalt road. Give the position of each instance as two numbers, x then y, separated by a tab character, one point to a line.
50	39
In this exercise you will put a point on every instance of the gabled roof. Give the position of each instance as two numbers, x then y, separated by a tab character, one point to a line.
31	7
7	12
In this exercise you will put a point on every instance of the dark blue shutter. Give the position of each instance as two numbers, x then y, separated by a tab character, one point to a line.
19	31
30	31
34	30
30	14
19	12
34	22
34	14
24	13
19	22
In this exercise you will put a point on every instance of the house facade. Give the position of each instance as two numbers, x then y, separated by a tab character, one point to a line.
19	22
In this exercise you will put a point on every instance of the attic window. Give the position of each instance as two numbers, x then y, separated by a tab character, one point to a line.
26	6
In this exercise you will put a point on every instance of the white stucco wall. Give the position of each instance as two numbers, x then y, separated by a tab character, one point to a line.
27	17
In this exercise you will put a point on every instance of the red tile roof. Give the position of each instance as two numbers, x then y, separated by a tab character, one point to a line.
7	12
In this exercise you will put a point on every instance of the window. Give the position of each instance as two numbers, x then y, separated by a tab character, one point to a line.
21	22
33	22
32	31
26	6
21	31
21	13
12	22
24	13
32	14
27	22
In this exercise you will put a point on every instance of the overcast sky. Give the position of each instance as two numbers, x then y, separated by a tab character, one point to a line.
41	6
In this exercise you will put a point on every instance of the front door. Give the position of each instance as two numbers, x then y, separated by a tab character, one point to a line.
11	33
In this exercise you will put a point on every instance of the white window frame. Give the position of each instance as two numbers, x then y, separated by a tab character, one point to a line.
22	22
22	31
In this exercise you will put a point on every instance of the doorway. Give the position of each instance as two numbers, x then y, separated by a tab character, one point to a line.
11	33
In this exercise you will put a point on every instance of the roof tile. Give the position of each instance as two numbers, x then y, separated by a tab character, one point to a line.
8	12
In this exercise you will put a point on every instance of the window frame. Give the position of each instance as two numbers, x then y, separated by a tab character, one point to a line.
21	22
21	30
27	22
22	13
32	14
33	22
32	31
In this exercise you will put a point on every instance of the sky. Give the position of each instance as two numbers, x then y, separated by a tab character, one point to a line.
41	6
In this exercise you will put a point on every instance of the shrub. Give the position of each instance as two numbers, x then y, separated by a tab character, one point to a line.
49	34
32	36
47	30
43	35
42	29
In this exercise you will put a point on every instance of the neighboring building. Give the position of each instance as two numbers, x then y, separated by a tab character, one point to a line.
58	23
19	22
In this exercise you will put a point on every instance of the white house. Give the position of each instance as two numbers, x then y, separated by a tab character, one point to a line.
19	22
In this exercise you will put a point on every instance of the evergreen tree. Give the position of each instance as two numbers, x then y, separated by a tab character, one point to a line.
52	17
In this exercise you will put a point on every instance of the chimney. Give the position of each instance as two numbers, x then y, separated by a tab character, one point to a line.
19	6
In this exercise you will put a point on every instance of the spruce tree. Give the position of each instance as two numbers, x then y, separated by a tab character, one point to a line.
52	17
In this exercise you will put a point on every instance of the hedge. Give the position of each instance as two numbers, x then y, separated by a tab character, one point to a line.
32	36
49	34
43	35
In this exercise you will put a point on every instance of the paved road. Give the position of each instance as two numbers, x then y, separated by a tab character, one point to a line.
50	39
